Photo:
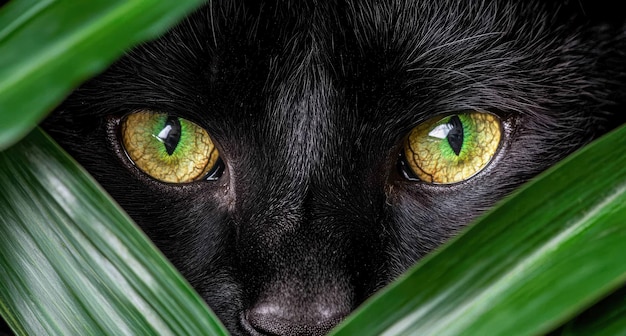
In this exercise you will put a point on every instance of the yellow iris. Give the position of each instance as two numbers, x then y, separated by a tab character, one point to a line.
453	148
167	148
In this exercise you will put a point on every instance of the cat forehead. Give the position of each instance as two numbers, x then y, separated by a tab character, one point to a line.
372	62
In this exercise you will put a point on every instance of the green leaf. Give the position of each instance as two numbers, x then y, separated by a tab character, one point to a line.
48	47
72	263
606	318
535	261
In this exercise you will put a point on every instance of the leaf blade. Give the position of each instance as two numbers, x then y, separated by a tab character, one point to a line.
102	276
604	318
51	48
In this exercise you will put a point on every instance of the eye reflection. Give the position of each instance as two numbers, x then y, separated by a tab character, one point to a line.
167	148
445	150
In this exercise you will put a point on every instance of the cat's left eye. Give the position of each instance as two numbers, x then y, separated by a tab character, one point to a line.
168	148
451	149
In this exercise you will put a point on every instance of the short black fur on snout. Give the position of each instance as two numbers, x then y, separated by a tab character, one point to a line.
309	103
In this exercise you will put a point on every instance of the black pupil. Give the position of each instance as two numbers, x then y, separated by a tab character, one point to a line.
170	134
455	135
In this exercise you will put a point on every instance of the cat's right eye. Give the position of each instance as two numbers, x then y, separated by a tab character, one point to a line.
169	149
451	149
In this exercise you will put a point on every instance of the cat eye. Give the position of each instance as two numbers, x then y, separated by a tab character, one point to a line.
168	148
445	150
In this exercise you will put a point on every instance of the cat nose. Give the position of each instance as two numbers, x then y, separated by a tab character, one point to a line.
276	319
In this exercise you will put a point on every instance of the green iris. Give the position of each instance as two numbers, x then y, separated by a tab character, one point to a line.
453	148
169	149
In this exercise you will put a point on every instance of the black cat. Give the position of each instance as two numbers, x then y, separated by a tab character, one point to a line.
293	157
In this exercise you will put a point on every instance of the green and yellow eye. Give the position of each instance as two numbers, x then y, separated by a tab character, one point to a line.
168	148
453	148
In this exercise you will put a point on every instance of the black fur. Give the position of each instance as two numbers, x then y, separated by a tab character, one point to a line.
308	102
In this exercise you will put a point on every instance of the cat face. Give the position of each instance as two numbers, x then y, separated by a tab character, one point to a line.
292	158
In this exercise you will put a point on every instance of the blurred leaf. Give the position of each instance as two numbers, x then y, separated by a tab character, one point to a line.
525	267
48	47
72	263
607	317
